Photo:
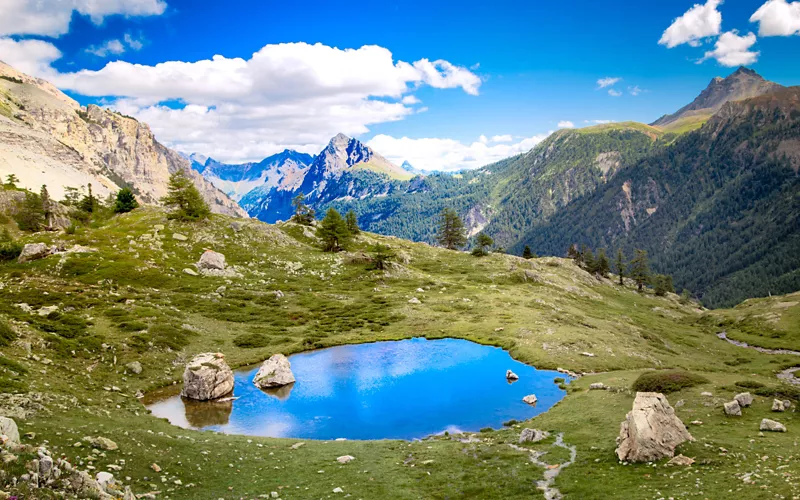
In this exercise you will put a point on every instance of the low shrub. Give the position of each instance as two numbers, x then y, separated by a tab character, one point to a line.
785	391
749	384
251	340
510	423
7	334
667	381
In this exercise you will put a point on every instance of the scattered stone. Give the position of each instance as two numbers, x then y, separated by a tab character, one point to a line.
338	490
588	354
297	445
532	436
732	408
511	375
278	294
696	422
681	460
86	487
346	459
179	237
134	367
45	466
236	227
221	290
651	430
155	467
771	426
34	251
777	405
104	479
158	227
8	428
207	376
274	372
190	272
102	443
530	399
414	300
706	394
745	399
420	290
211	260
597	386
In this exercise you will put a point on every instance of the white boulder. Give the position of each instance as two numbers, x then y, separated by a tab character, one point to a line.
530	399
34	251
8	428
207	376
651	430
211	260
274	372
511	375
732	408
744	399
771	426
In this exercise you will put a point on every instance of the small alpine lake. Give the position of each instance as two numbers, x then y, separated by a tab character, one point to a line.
384	390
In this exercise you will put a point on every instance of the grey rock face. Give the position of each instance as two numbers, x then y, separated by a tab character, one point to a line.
34	251
732	408
532	435
651	430
274	372
745	399
207	376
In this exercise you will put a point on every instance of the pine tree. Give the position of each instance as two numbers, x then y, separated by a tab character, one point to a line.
47	206
125	201
452	234
303	214
88	203
72	196
588	259
601	264
482	242
185	200
30	213
663	284
351	219
574	254
382	256
526	253
639	268
333	232
620	265
11	181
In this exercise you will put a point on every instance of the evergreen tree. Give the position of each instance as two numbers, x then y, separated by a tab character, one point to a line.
663	284
30	213
185	200
382	255
303	214
351	219
72	196
47	206
11	181
574	254
452	234
588	259
9	249
620	265
482	242
125	201
601	264
639	269
88	203
333	232
526	253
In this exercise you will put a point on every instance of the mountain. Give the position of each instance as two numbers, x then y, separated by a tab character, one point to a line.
46	136
741	84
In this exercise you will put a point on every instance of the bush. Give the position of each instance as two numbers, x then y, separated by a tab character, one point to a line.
7	334
251	340
667	381
784	391
749	384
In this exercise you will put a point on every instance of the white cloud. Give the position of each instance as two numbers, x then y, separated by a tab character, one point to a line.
483	139
599	122
29	56
566	124
110	47
733	50
52	17
234	109
614	93
699	22
502	138
607	82
778	18
133	43
447	155
410	99
635	90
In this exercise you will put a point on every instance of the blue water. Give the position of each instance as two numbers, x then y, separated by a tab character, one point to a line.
385	390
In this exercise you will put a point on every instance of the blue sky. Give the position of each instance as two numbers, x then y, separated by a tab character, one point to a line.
521	68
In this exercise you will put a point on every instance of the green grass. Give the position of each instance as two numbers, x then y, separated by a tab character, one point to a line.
667	381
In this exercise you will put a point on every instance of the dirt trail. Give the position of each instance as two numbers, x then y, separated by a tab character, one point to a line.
550	470
786	375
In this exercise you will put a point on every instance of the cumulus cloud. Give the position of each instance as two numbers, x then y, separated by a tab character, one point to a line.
448	155
111	47
566	124
607	82
733	50
502	138
52	17
699	22
235	109
778	18
634	90
614	93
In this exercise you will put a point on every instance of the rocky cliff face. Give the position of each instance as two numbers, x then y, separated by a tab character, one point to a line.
46	137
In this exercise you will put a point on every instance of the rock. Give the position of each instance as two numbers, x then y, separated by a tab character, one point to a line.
221	290
274	372
34	251
532	435
104	479
420	290
530	399
732	408
771	426
190	272
414	300
706	394
787	404
681	460
155	467
134	367
8	428
102	443
236	227
597	386
745	399
179	237
278	294
588	354
45	466
346	459
511	375
86	487
777	405
128	494
651	430
47	310
211	260
207	376
338	490
297	445
158	227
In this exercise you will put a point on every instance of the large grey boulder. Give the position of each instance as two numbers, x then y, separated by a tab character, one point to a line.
274	372
777	405
532	435
732	408
651	430
211	260
8	428
530	399
771	426
511	375
34	251
207	376
744	399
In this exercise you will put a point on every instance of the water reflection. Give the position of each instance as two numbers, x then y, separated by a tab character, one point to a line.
404	389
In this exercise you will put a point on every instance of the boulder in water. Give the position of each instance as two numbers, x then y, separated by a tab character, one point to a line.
530	399
207	376
511	375
651	430
274	372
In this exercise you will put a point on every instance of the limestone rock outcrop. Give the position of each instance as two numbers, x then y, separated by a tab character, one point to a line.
651	430
8	428
207	376
274	372
34	251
